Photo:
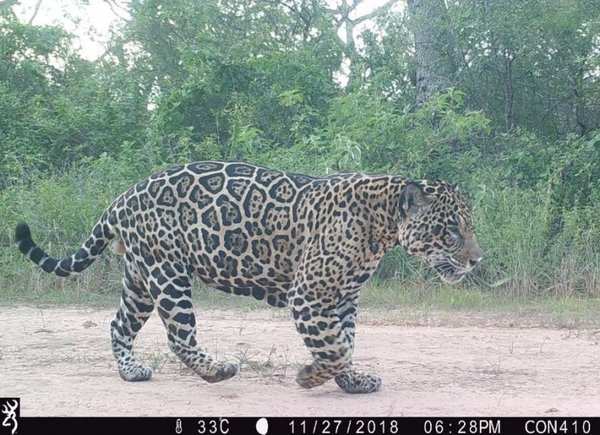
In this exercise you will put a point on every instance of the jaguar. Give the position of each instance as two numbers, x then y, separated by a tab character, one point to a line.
308	244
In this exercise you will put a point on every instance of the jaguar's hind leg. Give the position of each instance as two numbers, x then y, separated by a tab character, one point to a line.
136	307
172	295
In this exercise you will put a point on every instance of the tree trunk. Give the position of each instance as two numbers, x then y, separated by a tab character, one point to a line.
434	47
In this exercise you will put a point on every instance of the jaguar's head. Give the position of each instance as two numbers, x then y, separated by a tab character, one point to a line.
436	226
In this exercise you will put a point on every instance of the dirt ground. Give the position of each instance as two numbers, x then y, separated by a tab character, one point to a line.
59	362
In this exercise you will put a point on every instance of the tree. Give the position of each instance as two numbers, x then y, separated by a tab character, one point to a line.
531	63
57	107
234	76
434	47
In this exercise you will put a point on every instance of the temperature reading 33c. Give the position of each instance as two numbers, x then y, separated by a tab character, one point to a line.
213	426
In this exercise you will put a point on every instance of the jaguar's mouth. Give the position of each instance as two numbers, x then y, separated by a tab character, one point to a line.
449	273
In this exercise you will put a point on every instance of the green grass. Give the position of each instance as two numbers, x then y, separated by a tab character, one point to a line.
395	301
26	283
464	304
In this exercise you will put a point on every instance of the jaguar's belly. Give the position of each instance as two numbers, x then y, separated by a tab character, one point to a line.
242	279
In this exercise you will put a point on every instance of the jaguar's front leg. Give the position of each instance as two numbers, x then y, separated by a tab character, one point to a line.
321	329
350	379
355	382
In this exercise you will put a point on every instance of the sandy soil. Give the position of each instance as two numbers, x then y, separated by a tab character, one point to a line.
58	360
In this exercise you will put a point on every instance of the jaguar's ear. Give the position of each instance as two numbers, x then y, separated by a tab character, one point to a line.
413	201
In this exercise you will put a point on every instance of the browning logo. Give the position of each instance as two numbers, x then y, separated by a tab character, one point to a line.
9	407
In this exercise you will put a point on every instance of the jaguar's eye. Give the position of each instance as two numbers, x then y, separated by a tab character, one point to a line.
455	234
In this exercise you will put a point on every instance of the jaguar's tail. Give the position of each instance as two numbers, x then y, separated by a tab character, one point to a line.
85	255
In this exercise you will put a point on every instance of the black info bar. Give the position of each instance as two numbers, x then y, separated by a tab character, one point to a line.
306	425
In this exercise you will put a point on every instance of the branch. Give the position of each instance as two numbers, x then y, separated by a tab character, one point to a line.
304	14
381	10
36	9
291	8
113	5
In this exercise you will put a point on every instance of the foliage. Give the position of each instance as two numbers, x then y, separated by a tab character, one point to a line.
263	81
56	107
530	63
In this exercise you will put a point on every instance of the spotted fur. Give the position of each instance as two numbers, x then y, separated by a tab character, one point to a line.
294	241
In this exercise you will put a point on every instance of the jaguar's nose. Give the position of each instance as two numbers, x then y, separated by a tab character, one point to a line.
475	261
475	257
